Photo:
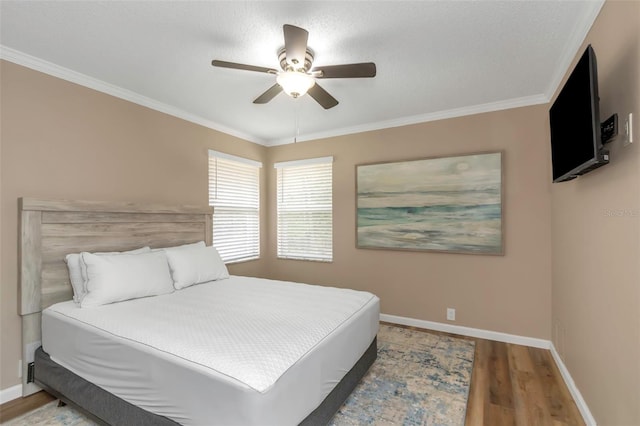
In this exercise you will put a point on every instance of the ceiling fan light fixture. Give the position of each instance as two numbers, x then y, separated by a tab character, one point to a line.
298	76
295	83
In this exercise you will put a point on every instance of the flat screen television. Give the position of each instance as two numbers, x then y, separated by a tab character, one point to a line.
576	141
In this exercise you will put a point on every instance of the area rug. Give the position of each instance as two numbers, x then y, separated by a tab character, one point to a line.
419	378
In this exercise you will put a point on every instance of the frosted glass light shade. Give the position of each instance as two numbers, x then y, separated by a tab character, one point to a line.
295	83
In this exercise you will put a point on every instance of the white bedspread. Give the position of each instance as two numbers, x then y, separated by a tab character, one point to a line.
249	330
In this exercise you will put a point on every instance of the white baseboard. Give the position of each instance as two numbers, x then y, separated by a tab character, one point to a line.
573	389
9	394
468	331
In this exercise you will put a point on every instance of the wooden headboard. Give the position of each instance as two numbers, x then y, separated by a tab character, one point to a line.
50	229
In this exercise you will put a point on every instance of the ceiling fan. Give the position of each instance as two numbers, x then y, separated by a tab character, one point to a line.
297	76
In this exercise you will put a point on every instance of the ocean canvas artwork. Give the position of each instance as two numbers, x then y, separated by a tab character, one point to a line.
449	204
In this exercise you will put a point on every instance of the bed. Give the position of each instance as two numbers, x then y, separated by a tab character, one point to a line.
278	364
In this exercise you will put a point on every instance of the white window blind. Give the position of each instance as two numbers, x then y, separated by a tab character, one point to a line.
304	204
234	192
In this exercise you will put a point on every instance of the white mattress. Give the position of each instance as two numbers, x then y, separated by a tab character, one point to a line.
243	350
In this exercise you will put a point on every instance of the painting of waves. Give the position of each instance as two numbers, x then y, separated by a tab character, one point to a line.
451	204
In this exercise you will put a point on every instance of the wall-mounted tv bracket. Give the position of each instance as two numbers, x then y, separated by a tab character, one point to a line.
609	129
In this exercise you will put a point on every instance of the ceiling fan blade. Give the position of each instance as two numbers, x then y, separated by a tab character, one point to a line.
295	44
362	70
233	65
271	93
322	97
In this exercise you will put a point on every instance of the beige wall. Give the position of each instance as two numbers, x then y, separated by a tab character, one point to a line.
61	140
510	293
596	240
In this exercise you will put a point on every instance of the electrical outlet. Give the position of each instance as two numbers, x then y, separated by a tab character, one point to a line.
451	314
628	130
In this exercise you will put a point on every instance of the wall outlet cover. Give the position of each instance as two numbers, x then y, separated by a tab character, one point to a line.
451	314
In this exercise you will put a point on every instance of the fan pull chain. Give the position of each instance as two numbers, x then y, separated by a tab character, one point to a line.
296	114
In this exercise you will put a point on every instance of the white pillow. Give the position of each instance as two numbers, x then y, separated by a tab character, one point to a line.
195	265
77	273
83	267
75	276
114	278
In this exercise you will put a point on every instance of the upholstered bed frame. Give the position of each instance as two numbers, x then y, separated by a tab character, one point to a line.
50	229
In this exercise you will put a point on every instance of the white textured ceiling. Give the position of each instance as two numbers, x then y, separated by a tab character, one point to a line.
434	59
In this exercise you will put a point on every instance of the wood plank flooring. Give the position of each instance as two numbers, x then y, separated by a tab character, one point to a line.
510	385
518	385
19	406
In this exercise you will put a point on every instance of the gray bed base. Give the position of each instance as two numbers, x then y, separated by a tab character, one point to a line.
107	409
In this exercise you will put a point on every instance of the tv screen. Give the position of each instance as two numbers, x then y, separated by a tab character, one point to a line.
576	146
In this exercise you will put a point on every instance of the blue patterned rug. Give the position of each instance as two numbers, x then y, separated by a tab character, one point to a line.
419	378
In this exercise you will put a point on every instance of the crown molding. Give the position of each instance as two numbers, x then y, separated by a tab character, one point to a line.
32	62
37	64
572	47
417	119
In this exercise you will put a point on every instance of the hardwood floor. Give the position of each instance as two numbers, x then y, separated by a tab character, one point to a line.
510	385
18	407
518	385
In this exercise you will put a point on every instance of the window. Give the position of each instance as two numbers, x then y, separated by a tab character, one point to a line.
234	192
305	217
